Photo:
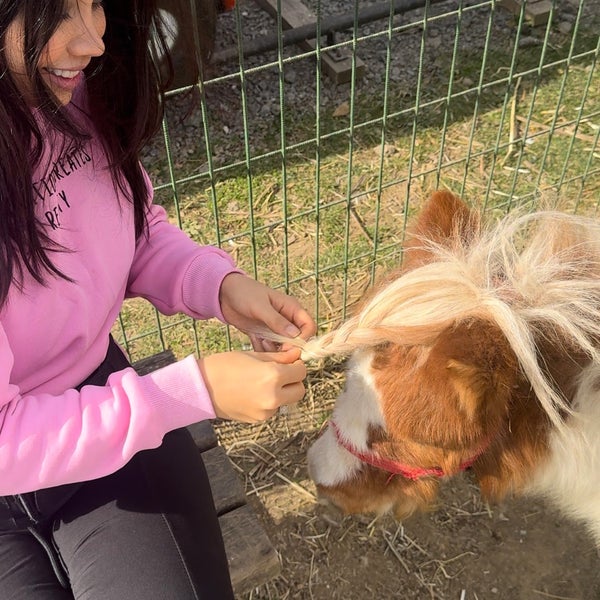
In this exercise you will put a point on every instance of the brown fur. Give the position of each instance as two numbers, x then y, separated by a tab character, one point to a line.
374	489
445	401
445	219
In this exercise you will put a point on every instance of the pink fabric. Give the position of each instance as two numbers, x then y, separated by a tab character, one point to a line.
53	337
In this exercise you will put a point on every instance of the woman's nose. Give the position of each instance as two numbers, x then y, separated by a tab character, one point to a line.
87	36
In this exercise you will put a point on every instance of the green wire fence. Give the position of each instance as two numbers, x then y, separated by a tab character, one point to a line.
308	177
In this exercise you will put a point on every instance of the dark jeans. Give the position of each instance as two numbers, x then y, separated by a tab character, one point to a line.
147	532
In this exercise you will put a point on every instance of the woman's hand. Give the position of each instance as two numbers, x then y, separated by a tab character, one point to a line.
253	307
251	386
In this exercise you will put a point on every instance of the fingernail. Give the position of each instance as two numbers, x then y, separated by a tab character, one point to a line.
292	331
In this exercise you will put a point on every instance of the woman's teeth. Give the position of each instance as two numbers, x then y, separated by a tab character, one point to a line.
64	73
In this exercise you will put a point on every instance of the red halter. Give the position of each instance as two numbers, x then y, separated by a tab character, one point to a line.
394	467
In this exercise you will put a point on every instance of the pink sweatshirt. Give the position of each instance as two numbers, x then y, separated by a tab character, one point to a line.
53	337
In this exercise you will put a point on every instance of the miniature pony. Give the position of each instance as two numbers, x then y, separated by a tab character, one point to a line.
480	353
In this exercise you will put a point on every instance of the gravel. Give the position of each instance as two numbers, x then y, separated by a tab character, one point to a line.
296	91
371	49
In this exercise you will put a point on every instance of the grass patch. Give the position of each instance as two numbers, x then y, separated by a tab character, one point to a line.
324	216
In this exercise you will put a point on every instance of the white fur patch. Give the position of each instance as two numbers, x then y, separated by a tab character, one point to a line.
356	408
571	477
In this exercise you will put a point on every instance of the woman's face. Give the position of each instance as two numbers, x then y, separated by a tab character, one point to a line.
77	39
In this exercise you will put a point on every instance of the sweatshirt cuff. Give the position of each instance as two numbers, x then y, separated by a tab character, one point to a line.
178	393
202	282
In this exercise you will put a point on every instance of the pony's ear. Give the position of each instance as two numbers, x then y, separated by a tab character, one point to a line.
444	219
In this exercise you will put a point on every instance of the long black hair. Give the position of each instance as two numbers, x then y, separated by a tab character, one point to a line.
126	87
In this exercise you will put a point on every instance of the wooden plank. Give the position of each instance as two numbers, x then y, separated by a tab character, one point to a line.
537	12
293	12
227	489
156	361
252	558
336	64
204	435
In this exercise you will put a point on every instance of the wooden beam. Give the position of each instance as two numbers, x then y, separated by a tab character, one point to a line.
227	489
252	560
537	12
335	63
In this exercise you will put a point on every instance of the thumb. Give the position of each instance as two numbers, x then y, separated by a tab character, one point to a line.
277	323
285	357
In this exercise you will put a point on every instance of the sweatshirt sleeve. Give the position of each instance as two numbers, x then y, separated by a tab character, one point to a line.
174	273
48	440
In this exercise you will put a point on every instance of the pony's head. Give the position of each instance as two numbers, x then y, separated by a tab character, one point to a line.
465	358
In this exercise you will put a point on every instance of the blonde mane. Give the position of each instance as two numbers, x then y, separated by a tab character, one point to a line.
530	272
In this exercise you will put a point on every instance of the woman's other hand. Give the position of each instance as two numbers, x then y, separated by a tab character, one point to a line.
251	386
252	307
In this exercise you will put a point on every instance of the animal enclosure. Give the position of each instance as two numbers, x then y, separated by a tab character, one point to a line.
304	158
307	176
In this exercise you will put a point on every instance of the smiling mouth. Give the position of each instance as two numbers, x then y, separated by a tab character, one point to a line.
64	73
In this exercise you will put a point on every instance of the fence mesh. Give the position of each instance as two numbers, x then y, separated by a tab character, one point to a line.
321	127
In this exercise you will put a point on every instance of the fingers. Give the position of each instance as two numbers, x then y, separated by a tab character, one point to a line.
291	373
288	395
306	323
301	328
269	346
289	318
251	386
292	393
291	380
256	307
260	344
284	357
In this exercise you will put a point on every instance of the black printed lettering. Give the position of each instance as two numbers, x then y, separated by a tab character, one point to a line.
73	165
63	169
67	164
50	218
63	197
86	156
36	188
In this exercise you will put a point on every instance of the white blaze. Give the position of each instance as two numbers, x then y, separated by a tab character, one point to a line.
355	410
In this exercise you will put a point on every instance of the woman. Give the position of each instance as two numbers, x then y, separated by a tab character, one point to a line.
103	494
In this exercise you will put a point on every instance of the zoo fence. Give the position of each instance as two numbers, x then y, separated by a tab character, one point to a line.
319	128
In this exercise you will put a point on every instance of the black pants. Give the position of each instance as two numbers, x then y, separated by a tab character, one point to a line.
147	532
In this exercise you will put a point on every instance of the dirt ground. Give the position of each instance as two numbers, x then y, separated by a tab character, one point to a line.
465	550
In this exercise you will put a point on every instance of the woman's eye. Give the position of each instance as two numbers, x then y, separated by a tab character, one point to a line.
96	5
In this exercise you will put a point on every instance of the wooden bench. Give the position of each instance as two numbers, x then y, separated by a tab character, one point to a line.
251	556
